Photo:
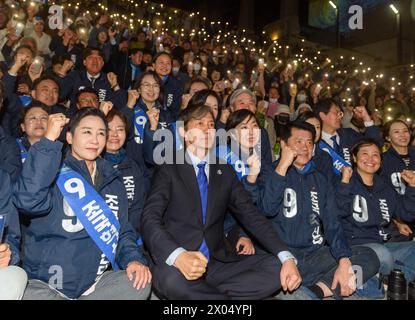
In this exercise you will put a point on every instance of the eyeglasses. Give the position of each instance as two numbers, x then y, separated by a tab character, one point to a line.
33	119
339	114
147	86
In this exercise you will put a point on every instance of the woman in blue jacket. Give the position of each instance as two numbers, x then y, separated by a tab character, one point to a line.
240	140
34	124
135	183
400	156
13	279
145	114
79	226
368	204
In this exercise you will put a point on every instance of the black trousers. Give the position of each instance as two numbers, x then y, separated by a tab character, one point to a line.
254	277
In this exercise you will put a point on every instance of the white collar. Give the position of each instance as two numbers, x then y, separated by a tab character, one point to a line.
91	76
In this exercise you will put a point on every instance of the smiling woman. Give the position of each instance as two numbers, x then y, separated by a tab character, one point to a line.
82	203
87	135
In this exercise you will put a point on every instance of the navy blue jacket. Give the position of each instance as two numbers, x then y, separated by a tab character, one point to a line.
368	211
136	185
56	45
349	137
12	228
142	153
55	237
10	160
303	210
76	80
393	165
173	92
323	163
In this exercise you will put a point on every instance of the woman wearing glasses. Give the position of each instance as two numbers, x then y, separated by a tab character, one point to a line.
33	125
145	114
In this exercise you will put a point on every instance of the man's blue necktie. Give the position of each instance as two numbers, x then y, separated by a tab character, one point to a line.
203	189
336	146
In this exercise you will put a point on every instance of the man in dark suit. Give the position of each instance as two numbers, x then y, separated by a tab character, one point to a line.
183	221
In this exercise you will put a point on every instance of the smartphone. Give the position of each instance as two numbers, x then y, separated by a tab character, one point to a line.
37	64
19	29
318	89
2	225
261	62
235	83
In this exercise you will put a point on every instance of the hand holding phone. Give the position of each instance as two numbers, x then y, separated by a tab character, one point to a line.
2	225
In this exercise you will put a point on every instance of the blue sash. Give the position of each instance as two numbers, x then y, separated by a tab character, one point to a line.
2	225
231	158
92	211
338	162
23	151
178	138
140	120
25	100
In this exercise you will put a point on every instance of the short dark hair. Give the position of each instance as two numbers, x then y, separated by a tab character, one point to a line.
201	96
33	104
286	131
86	90
303	117
158	55
324	105
25	46
135	50
115	113
89	51
83	113
60	59
44	78
197	80
237	117
364	142
194	113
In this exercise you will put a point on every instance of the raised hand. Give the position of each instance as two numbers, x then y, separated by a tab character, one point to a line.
56	122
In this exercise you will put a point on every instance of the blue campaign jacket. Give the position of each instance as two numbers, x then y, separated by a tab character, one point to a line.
173	92
136	185
12	228
303	210
367	212
142	153
9	155
76	80
348	138
393	165
55	238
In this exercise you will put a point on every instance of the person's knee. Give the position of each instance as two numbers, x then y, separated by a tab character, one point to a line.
271	268
126	286
385	257
13	284
367	259
173	286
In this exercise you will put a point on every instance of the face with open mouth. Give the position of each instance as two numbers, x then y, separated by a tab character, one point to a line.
368	159
399	135
116	135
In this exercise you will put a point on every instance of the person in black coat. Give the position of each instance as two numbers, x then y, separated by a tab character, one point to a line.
183	220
